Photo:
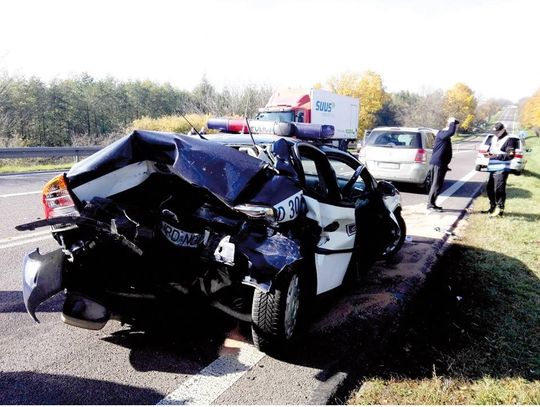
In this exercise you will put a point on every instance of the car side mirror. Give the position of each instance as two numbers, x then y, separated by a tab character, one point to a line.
386	188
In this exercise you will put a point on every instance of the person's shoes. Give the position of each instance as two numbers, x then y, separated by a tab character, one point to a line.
434	208
490	210
497	213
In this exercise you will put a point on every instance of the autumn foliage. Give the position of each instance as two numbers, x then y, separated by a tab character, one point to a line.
368	87
530	112
459	102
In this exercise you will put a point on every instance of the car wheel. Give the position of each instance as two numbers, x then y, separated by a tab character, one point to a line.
275	314
426	185
398	238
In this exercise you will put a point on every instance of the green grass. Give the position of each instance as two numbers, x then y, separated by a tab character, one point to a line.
473	335
11	165
30	168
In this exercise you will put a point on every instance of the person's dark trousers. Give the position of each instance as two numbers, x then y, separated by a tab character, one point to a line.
496	188
437	180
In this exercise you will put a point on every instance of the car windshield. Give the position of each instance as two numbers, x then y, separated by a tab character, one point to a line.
393	138
276	116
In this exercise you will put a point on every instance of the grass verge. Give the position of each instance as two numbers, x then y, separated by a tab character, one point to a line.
34	164
473	335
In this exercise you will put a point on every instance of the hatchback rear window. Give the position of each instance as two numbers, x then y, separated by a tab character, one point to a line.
399	139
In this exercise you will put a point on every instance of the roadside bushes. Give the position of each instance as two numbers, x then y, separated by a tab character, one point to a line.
172	123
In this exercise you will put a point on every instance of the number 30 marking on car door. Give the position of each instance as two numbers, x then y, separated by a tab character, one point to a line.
289	208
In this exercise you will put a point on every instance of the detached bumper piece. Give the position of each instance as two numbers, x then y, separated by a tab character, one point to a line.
42	278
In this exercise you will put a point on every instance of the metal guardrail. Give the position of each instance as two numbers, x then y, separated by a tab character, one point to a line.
37	152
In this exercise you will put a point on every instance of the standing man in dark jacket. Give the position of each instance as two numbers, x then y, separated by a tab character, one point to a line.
502	148
441	157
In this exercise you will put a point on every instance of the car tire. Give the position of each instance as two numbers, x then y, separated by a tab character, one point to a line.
399	238
275	314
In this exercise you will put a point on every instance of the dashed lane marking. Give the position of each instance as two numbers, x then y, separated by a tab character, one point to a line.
206	386
20	194
24	239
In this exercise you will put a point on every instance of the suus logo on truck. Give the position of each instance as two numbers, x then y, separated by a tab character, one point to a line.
324	106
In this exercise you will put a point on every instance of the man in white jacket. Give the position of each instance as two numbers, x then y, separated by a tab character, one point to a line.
502	148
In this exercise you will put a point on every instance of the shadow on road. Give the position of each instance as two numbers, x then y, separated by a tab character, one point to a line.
12	301
43	388
179	343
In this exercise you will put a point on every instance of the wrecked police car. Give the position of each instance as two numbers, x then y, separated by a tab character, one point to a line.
256	226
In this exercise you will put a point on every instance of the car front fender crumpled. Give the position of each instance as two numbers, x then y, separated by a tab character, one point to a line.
269	255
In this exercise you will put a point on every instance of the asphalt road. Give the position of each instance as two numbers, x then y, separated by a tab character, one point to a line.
508	118
204	359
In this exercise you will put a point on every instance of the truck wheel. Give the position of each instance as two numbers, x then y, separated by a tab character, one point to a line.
275	314
399	233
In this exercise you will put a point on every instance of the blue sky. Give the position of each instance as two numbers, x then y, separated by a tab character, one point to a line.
416	45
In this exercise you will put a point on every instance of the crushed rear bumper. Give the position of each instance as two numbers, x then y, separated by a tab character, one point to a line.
42	278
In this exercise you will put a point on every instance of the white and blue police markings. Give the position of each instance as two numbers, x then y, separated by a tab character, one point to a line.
290	208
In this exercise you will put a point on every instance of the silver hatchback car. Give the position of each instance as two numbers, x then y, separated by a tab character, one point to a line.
399	154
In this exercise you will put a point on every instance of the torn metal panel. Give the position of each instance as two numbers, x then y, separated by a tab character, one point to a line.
268	255
220	169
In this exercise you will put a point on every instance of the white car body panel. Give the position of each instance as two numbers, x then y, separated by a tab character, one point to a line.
116	181
331	268
289	208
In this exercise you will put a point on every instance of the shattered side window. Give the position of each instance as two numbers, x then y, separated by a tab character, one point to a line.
309	166
341	169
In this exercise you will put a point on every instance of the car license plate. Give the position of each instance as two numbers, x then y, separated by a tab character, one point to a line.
181	238
388	165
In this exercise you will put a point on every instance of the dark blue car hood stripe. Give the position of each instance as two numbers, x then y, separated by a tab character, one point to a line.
220	169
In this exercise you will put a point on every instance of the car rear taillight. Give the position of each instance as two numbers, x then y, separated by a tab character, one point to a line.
421	156
57	200
518	154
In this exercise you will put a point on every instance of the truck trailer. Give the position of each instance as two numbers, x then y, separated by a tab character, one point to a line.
318	107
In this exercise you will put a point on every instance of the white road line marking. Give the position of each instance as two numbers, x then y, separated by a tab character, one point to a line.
23	242
25	236
20	194
206	386
447	193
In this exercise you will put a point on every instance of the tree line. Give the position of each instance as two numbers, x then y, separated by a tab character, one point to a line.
84	110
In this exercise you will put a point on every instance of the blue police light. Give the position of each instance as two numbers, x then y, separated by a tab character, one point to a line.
218	124
308	131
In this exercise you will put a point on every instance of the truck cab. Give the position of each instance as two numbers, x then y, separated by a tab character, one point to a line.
287	106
